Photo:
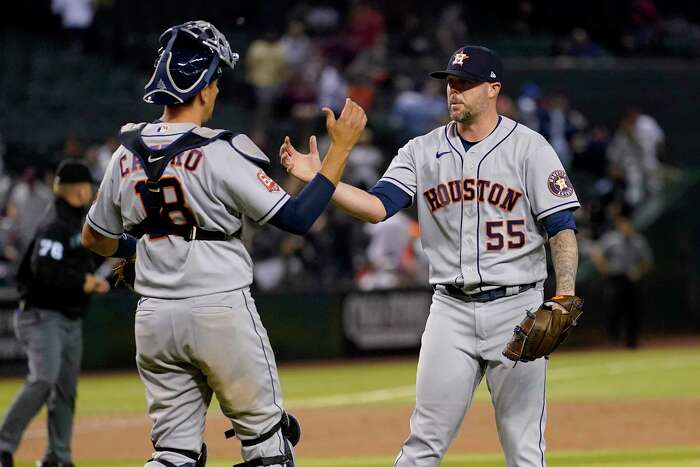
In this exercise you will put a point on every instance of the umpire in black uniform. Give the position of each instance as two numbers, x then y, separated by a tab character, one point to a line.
55	281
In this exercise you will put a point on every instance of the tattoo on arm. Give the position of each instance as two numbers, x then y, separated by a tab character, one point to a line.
565	259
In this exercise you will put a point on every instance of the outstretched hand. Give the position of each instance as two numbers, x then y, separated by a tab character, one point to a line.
343	132
302	166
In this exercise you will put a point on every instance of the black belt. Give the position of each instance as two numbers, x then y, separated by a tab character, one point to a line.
189	233
489	295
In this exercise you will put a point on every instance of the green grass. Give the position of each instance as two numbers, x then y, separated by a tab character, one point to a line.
681	457
580	376
576	376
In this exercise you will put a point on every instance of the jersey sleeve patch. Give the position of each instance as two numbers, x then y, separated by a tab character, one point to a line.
269	183
559	184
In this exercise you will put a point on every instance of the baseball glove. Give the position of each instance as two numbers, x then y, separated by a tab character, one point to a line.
125	272
541	332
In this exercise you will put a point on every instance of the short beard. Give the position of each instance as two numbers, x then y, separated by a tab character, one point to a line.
465	117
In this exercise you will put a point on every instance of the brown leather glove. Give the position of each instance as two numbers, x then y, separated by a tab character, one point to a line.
125	272
541	332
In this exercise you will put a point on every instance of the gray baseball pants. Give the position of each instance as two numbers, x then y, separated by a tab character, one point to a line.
189	349
53	344
461	343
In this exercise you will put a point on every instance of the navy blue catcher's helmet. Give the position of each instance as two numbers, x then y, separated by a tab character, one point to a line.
191	56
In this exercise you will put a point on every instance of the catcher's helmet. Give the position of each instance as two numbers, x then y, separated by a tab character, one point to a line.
191	56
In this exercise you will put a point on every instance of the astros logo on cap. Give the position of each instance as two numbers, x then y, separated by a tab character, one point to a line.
459	58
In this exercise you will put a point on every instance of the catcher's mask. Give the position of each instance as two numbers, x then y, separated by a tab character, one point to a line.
191	56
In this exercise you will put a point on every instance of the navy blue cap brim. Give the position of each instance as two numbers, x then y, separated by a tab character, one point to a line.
443	74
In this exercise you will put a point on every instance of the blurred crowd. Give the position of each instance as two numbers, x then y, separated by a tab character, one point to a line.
322	53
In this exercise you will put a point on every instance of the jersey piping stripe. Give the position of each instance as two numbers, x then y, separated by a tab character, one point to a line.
283	198
478	211
399	184
461	209
544	403
557	206
262	345
101	229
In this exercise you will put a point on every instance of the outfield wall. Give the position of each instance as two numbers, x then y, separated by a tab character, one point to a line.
334	325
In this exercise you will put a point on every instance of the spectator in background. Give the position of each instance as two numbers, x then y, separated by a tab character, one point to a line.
27	203
559	123
581	45
365	25
364	163
506	107
76	19
592	159
297	46
368	70
72	147
623	256
388	243
452	29
300	92
577	44
417	108
266	68
6	180
332	87
523	22
413	39
634	151
528	105
322	18
643	30
98	157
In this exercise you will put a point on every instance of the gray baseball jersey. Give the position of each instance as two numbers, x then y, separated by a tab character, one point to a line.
197	314
479	211
218	183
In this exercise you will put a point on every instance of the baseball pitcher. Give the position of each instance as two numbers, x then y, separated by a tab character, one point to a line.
490	193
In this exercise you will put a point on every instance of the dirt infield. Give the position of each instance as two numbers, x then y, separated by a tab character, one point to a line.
356	431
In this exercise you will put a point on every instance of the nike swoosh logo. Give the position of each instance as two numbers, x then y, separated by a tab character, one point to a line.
152	159
440	154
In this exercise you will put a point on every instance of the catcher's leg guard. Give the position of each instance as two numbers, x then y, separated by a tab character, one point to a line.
286	460
200	458
291	429
291	432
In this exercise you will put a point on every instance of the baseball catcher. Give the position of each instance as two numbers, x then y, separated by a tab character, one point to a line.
541	332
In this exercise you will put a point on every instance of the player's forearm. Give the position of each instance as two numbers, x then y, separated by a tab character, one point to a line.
334	163
94	241
358	203
565	259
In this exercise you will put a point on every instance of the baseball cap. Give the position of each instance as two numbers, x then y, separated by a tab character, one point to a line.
72	171
473	63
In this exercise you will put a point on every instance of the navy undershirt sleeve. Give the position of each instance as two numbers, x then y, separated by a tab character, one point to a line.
392	197
298	214
562	220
